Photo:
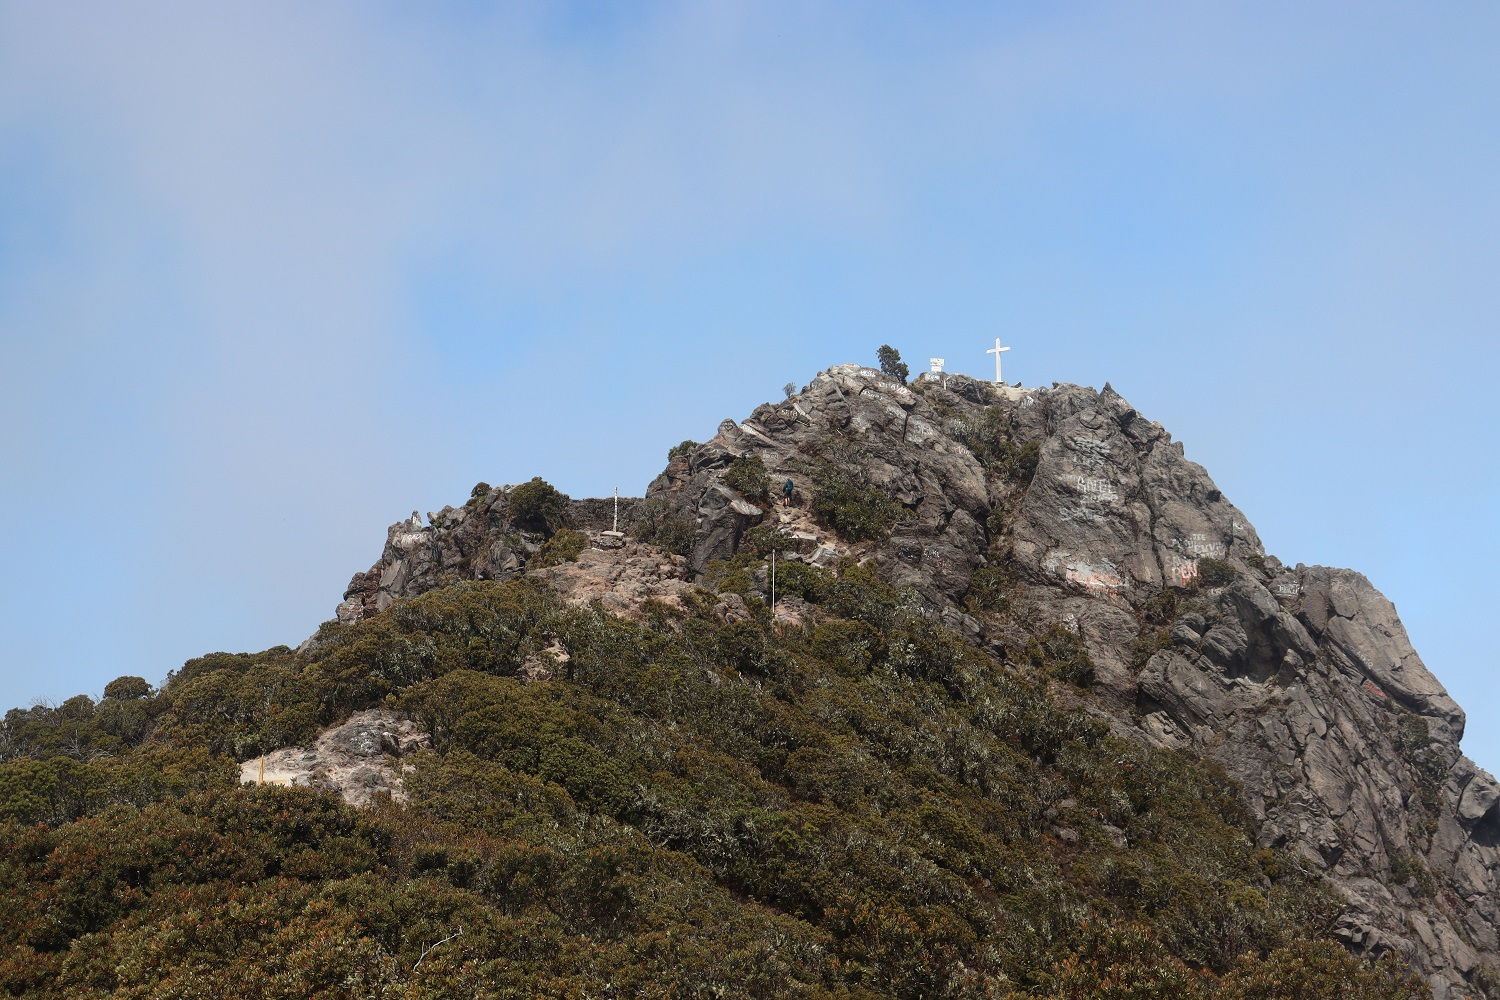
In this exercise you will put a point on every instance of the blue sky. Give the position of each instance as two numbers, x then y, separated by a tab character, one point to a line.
274	275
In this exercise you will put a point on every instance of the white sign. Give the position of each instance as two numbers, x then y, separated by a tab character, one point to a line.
937	365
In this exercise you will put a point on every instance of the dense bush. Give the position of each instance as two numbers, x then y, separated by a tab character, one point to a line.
845	501
656	524
536	504
749	574
747	474
1060	653
564	546
761	540
992	439
989	591
1216	572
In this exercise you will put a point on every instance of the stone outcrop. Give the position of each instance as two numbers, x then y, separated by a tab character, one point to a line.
359	758
479	541
1299	680
620	575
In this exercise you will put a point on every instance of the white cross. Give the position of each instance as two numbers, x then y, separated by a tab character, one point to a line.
997	350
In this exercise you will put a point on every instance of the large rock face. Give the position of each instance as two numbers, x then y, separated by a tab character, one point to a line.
1300	681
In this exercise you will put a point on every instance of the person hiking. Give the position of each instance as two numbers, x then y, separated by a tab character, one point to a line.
787	489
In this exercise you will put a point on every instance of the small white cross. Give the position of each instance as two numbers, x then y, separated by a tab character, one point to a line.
997	350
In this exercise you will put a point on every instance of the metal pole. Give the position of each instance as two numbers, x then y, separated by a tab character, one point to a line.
773	586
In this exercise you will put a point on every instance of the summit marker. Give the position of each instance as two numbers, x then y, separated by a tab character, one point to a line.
997	351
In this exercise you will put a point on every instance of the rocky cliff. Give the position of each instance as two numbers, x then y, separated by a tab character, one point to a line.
1012	510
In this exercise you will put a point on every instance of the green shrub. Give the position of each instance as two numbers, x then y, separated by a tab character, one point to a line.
799	579
989	591
1167	605
748	574
761	540
564	546
1412	732
1216	572
747	475
849	647
1408	868
1060	653
732	576
656	524
1486	978
537	505
1150	642
845	501
680	450
859	594
991	437
1306	969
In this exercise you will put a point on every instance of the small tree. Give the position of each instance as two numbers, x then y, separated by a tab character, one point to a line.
891	363
536	504
748	475
565	546
790	389
1216	572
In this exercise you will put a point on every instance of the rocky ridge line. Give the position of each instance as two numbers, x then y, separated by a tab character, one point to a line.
1299	680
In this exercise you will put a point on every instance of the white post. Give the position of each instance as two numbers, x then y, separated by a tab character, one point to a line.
997	350
773	586
617	508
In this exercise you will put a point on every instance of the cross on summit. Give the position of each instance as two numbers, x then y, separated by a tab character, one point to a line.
997	351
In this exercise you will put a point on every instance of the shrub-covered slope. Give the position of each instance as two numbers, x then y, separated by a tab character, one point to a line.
859	806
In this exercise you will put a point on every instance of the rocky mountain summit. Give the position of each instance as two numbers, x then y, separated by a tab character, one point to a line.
1008	511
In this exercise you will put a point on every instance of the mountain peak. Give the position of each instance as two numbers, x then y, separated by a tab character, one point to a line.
1004	510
